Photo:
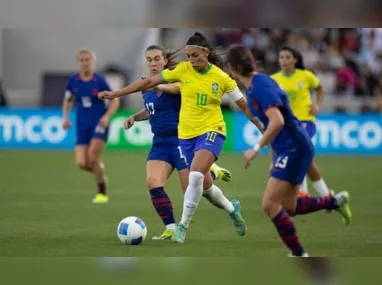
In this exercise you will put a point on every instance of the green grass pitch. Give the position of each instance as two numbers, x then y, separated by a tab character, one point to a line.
46	210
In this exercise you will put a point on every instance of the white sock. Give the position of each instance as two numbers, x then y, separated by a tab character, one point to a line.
171	227
304	186
320	187
192	196
216	197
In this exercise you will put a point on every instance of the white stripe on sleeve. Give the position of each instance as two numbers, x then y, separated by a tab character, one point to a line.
68	94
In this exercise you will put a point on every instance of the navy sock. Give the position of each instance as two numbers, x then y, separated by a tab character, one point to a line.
102	188
287	232
309	204
162	205
213	175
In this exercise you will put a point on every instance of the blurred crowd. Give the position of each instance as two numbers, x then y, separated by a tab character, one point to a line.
348	62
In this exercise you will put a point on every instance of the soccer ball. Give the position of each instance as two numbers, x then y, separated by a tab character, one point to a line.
132	230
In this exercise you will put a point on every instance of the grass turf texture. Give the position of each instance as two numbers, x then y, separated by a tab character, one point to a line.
46	210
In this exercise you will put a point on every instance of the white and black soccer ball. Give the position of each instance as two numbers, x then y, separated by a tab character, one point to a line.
132	231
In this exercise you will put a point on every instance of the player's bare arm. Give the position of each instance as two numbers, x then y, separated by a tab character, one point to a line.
276	122
142	115
137	86
172	88
67	105
113	107
242	104
315	108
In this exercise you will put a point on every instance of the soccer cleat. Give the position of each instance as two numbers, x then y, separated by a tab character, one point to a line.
303	255
100	199
167	234
179	235
238	221
221	173
343	199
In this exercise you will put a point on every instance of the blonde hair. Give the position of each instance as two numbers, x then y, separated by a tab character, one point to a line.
86	51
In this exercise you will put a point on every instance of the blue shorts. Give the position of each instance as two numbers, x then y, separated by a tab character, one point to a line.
211	141
86	133
167	149
292	166
310	127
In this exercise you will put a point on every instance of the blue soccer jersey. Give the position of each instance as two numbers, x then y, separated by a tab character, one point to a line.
164	118
264	93
89	109
292	146
164	112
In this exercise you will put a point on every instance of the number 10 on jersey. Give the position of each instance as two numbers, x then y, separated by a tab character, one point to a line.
201	99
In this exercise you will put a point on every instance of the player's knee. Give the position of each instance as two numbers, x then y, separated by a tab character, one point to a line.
93	158
82	165
270	207
208	182
290	209
195	179
154	182
266	205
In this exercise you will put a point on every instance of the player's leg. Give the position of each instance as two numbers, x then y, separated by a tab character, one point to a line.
314	172
308	204
200	154
158	172
293	168
82	148
81	153
200	166
304	188
96	148
183	178
274	194
216	197
318	182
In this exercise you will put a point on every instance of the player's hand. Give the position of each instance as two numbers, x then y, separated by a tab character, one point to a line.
129	122
66	124
104	121
248	156
107	95
314	109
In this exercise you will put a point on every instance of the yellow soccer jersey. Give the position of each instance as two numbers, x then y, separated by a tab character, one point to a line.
201	98
298	86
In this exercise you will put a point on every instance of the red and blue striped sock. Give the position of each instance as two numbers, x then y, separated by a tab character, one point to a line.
162	205
309	204
287	232
102	188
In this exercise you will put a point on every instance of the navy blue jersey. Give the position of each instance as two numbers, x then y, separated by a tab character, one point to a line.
264	93
164	112
89	109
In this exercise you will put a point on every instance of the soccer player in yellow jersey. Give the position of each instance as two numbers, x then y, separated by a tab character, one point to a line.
297	82
201	129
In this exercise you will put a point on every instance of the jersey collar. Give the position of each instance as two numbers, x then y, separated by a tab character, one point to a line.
289	76
206	71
